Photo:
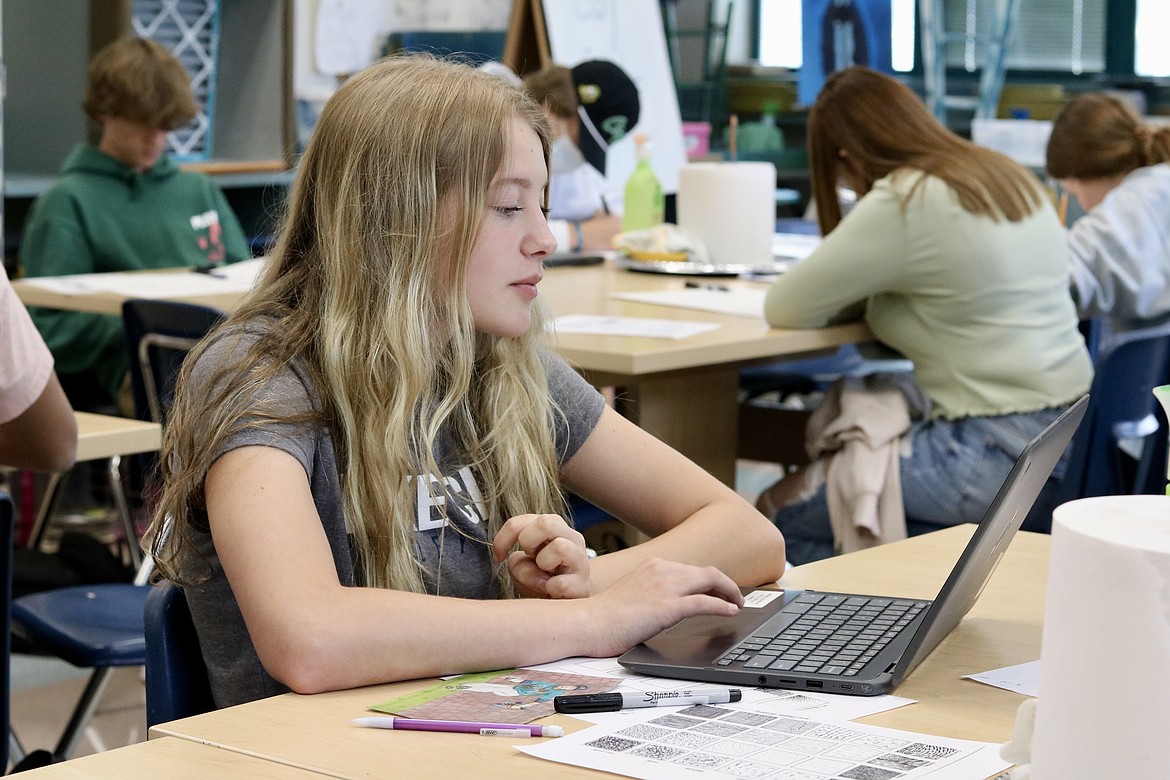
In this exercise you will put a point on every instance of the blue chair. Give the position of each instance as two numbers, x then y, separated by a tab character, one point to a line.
1151	472
6	514
1121	408
177	685
95	627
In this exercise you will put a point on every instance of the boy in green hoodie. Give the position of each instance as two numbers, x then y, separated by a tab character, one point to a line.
123	205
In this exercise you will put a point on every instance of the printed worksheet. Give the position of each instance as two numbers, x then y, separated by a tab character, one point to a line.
724	743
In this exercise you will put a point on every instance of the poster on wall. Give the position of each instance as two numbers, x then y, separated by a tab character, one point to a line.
840	33
628	33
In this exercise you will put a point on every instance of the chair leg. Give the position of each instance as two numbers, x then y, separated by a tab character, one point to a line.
129	531
48	506
82	713
15	749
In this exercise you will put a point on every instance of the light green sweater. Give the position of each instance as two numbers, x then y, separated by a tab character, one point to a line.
981	307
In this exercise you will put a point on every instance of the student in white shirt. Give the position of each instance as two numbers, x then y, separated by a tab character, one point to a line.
1118	168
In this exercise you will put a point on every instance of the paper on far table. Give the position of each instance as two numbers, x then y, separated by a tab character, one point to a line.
630	326
1021	678
795	245
238	277
738	301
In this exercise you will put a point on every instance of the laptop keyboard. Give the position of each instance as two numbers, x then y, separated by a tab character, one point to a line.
824	633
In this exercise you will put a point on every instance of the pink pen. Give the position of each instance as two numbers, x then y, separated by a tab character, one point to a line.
462	727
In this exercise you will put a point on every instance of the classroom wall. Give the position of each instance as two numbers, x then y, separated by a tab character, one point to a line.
364	24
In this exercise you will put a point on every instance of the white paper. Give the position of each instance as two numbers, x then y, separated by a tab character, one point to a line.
236	278
723	742
1022	678
794	245
630	326
347	35
737	301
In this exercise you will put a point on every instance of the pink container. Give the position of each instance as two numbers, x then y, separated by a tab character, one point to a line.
697	139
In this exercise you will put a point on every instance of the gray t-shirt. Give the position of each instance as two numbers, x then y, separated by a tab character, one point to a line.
464	551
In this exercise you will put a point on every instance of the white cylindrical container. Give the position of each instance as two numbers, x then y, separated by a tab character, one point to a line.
731	208
1104	703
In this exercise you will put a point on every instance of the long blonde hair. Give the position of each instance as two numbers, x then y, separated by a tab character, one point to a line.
366	284
881	126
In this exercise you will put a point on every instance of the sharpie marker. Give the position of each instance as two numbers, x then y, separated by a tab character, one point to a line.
712	287
462	727
612	702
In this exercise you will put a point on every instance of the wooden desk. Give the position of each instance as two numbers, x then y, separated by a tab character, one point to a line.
102	436
170	758
685	392
1004	628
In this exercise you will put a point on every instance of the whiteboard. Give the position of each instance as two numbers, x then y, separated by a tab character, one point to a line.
630	34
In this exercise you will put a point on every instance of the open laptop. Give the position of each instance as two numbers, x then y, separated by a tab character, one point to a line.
845	642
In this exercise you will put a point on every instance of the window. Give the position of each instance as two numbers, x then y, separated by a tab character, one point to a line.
1151	55
1059	35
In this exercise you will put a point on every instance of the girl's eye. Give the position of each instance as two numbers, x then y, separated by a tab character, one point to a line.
508	211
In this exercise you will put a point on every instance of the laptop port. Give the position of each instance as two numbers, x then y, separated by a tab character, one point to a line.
814	684
846	687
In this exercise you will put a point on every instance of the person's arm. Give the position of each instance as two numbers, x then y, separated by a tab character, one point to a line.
1118	258
861	257
313	634
37	427
691	516
44	436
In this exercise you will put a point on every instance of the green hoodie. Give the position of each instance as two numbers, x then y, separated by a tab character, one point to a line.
103	216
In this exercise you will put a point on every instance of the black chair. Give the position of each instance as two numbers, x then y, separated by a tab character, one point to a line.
159	334
177	685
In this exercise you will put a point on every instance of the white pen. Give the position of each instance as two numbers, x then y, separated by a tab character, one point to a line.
618	700
461	726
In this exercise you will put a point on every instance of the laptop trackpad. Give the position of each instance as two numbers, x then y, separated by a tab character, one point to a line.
701	640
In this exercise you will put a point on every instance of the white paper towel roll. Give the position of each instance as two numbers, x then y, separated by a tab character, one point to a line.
731	208
1104	704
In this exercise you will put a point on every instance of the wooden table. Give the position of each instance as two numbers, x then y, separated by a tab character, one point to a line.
313	732
170	759
683	391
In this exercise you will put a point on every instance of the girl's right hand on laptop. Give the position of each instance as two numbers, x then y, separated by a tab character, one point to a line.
654	596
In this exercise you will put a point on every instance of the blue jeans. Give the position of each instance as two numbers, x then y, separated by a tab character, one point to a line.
950	472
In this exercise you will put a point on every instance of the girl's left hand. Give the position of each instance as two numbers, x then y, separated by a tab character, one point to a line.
551	561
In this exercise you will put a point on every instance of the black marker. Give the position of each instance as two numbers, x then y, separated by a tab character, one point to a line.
612	702
701	286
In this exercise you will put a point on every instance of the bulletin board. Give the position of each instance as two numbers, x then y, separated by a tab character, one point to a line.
626	32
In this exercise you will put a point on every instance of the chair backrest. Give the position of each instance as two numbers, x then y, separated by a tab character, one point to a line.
1121	407
6	521
176	677
159	335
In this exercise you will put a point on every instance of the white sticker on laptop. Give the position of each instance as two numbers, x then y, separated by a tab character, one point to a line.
761	598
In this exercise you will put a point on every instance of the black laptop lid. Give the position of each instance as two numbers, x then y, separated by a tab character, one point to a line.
992	537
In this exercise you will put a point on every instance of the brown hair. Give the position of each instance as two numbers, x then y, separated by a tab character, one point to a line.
866	125
1100	136
138	80
552	87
